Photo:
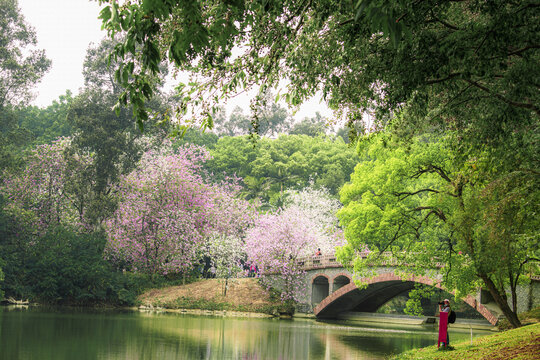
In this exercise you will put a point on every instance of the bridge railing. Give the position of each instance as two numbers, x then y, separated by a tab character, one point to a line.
329	261
320	261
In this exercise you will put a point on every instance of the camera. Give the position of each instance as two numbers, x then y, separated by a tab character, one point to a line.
441	302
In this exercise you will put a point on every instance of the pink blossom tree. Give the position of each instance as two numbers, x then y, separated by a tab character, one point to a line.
279	239
275	243
167	210
49	191
318	209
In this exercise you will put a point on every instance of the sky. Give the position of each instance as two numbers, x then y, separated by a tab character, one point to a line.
66	28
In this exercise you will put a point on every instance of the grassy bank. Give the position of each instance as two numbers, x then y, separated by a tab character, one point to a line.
526	318
522	343
243	295
217	305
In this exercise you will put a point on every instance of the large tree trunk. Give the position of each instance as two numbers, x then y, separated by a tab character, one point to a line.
511	316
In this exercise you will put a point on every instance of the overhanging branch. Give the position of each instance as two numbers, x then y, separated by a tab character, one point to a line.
406	194
503	99
434	211
432	169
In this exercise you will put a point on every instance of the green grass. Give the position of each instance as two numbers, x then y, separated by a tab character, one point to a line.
526	318
522	343
204	304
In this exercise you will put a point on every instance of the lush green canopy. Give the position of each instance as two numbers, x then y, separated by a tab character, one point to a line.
470	65
425	205
271	166
21	67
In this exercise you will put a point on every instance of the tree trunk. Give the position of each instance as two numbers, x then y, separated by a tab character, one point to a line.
511	316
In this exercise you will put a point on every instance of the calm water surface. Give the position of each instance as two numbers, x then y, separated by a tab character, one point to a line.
36	333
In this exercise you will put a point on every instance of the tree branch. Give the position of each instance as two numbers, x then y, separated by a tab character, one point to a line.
435	81
522	50
450	26
434	210
432	169
406	194
345	22
503	99
394	238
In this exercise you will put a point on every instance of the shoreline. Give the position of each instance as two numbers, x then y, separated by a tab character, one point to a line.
204	312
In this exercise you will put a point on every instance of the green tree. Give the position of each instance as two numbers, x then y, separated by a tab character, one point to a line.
271	166
425	205
455	64
269	118
314	126
3	224
195	136
47	124
109	136
237	124
1	279
21	67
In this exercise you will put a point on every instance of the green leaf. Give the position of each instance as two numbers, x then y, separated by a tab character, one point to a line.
361	5
105	14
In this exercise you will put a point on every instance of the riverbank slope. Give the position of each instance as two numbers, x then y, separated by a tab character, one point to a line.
244	294
522	343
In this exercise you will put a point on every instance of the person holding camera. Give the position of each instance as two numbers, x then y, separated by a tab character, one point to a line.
444	307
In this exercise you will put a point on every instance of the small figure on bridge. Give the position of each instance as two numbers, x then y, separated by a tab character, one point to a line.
318	252
444	311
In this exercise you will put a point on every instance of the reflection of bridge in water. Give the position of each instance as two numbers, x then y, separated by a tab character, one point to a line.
332	291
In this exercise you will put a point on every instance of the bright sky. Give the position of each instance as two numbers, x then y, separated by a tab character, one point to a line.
65	29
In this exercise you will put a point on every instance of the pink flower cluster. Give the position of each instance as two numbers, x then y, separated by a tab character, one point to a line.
166	211
44	193
275	243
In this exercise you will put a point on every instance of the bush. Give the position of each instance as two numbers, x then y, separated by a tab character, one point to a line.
1	279
67	268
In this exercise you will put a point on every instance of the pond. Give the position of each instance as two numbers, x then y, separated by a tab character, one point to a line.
37	333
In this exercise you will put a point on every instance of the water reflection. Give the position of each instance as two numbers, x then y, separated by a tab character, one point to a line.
47	334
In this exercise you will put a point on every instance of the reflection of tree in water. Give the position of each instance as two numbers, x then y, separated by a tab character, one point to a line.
217	338
377	345
57	334
430	306
112	335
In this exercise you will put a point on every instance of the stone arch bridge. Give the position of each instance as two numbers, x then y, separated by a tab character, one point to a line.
332	292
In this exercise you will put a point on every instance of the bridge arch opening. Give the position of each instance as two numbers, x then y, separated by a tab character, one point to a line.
380	290
340	281
320	289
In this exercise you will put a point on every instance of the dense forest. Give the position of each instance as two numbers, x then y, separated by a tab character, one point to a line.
78	177
124	185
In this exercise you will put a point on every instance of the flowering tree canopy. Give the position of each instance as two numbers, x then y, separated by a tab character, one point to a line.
318	209
275	243
49	191
167	210
278	239
226	252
